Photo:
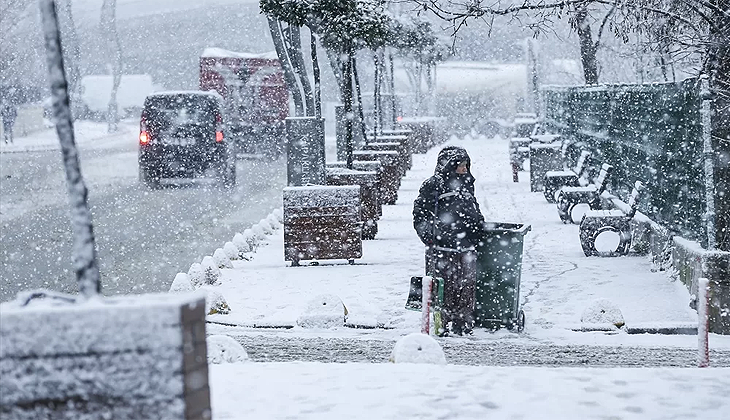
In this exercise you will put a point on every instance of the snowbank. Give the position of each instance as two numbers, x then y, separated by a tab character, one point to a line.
418	348
324	311
224	349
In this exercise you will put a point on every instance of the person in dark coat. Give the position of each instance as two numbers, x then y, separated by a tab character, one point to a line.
448	221
9	113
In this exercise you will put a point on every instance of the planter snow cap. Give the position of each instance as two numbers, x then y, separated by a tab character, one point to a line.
211	272
602	313
215	303
196	275
224	349
324	311
181	284
239	240
221	259
418	348
231	251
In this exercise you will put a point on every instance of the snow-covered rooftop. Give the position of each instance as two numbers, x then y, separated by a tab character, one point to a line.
214	52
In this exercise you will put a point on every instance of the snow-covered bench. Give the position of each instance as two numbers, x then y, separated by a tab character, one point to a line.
596	222
555	180
569	197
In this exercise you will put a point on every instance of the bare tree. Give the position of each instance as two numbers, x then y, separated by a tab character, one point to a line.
108	27
84	245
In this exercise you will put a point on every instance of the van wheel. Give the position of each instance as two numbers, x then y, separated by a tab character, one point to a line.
149	179
227	176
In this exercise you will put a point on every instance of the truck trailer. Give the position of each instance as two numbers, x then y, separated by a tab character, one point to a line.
255	96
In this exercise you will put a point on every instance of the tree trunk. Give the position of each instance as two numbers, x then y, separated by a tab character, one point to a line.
719	72
108	26
376	93
315	74
291	81
587	46
337	66
360	114
84	246
73	55
296	54
347	102
393	103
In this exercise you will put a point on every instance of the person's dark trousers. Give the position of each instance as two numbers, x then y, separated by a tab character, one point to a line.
459	271
8	132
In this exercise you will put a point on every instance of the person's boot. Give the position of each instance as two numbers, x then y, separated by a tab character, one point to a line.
458	328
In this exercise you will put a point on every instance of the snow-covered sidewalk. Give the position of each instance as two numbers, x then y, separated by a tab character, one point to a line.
558	281
383	391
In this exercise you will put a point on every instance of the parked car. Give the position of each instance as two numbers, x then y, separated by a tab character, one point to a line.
181	136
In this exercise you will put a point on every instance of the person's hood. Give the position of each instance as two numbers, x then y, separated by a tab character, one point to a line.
449	158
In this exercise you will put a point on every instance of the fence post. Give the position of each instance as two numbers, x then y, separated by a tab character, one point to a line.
426	290
703	322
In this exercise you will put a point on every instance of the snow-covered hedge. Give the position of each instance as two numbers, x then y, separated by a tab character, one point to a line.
221	259
181	283
211	272
215	303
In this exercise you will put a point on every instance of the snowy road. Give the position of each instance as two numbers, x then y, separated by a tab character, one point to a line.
472	352
144	237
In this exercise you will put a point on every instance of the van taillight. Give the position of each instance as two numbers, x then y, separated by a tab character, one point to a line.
219	137
144	138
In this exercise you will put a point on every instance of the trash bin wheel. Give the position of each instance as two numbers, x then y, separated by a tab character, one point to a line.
520	321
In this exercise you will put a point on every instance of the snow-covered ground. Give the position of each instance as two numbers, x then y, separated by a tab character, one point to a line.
558	281
411	391
88	134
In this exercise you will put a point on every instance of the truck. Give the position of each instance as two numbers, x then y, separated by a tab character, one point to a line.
255	96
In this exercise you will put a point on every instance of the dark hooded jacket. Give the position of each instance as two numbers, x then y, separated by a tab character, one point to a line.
446	214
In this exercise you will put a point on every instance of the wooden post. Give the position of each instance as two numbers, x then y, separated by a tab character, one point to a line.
703	322
427	289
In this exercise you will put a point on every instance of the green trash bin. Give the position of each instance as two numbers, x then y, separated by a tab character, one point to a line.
499	267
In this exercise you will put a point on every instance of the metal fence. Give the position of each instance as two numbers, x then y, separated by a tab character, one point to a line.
651	133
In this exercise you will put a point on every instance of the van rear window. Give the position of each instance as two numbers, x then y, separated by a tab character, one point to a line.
180	110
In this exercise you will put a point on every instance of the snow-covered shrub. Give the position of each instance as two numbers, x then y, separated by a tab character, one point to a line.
242	244
279	214
211	272
231	251
224	349
259	233
418	348
215	303
602	312
221	259
181	283
266	226
273	221
324	311
196	275
250	237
